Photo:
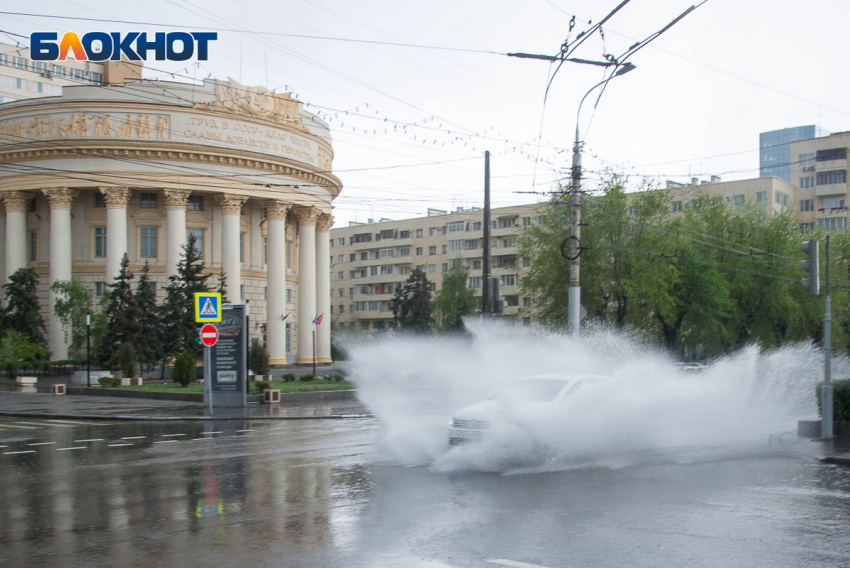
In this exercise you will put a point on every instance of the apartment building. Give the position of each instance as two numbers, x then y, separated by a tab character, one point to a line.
22	78
370	261
773	192
819	174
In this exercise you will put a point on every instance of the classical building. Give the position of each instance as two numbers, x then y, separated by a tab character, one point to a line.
104	170
369	261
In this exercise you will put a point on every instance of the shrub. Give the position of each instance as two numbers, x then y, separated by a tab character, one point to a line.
125	360
262	385
338	378
258	359
328	377
307	377
109	381
840	399
184	369
289	377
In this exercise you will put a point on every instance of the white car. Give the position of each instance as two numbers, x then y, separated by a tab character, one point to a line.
525	396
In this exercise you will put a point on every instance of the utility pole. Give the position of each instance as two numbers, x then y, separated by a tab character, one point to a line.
574	298
486	304
826	389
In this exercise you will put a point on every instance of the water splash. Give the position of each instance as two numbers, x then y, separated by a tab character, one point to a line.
413	385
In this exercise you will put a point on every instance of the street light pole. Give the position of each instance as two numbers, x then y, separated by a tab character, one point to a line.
88	349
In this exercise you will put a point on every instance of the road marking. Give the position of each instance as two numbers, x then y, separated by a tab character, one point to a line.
513	563
172	435
118	445
89	440
4	446
166	442
42	443
134	438
47	424
205	433
21	427
193	439
19	452
244	430
76	422
74	448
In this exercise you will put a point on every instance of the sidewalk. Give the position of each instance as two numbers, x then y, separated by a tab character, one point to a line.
41	405
827	451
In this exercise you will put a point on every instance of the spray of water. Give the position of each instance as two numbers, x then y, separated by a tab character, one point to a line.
414	385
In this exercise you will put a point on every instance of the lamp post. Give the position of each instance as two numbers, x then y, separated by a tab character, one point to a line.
88	349
574	298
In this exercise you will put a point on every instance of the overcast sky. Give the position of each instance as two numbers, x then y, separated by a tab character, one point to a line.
694	106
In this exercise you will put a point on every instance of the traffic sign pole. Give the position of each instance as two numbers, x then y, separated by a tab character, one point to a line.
208	377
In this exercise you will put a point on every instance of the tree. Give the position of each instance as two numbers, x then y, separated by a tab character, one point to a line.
177	312
73	303
184	369
125	360
411	305
455	300
222	287
148	344
259	358
22	314
122	313
16	349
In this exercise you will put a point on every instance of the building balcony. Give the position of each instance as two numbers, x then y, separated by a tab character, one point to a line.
834	212
831	189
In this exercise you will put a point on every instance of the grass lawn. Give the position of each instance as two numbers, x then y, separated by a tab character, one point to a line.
296	386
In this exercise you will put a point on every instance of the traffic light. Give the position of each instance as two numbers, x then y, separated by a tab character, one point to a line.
198	336
811	266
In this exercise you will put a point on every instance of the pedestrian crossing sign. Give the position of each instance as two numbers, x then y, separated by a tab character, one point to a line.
207	307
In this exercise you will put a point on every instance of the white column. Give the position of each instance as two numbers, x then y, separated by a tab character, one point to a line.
2	246
231	210
323	288
276	282
306	281
116	228
175	218
16	231
60	260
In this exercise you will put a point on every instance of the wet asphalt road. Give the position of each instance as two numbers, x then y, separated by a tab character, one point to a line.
319	493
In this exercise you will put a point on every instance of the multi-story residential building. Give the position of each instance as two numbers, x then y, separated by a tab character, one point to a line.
775	193
22	78
371	260
775	149
819	173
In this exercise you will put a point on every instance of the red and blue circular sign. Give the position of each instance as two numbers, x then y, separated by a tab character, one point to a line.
209	335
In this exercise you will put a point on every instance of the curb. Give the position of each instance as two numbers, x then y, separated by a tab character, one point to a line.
775	441
199	397
127	418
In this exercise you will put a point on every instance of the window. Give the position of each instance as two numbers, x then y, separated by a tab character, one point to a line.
526	302
386	253
445	267
540	219
78	74
195	203
46	89
831	154
341	242
341	292
340	275
806	227
361	238
289	254
95	77
39	66
59	70
541	302
832	223
404	235
444	249
505	223
199	240
782	198
404	252
476	265
19	63
288	296
807	205
418	251
3	59
508	280
432	250
432	287
332	243
476	226
147	201
404	270
676	206
807	182
511	301
832	203
33	247
147	242
526	221
456	245
99	289
14	82
432	231
737	200
456	226
351	273
473	282
835	176
340	258
342	308
99	200
631	210
509	242
807	161
152	287
100	242
526	262
418	233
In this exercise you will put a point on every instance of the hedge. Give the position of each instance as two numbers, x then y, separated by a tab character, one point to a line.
840	399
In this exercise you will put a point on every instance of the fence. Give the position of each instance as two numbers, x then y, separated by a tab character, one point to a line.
44	368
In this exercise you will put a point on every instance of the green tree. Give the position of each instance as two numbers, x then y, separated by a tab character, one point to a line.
22	313
73	303
16	349
122	313
411	304
259	358
125	360
184	369
455	300
148	344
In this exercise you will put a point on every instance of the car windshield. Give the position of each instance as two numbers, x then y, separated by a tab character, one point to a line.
531	390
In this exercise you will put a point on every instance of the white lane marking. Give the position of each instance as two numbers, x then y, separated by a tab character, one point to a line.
42	443
513	563
4	446
205	433
77	422
134	438
166	442
118	445
244	430
47	424
172	435
19	452
74	448
22	427
89	440
193	439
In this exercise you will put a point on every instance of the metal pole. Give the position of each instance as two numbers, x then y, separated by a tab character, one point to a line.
88	350
247	343
314	351
486	304
574	311
826	389
208	377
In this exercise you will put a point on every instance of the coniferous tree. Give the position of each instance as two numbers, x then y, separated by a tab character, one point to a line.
411	305
122	313
148	344
22	313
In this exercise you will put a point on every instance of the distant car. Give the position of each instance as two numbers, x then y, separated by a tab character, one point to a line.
691	367
524	396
